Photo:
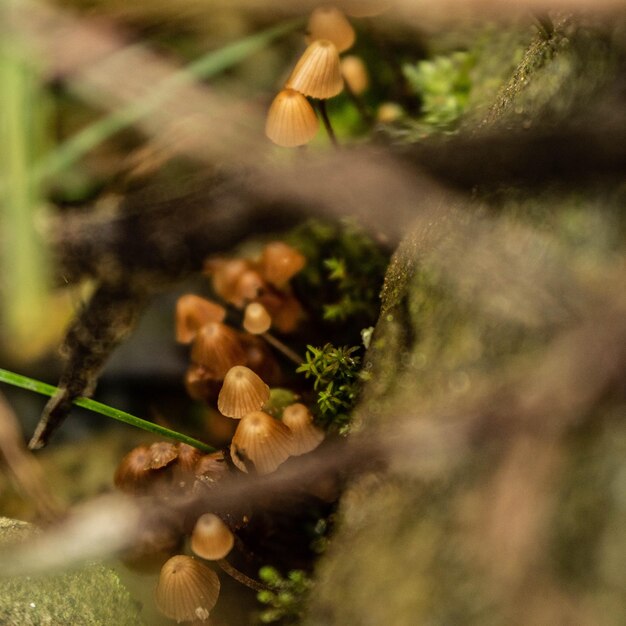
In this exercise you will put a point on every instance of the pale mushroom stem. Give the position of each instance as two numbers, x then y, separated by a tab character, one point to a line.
283	349
321	106
240	576
365	114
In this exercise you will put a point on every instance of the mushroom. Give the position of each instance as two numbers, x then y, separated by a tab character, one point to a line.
242	392
193	312
306	436
211	539
218	348
280	263
317	73
328	22
256	319
187	589
291	120
261	440
355	74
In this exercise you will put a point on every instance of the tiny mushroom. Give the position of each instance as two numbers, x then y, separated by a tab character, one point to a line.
318	72
263	440
328	22
256	319
187	589
242	392
193	312
291	120
211	539
217	347
280	262
306	436
355	74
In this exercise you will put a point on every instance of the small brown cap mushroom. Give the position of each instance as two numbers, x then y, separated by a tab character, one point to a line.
291	120
261	439
217	347
256	319
192	312
188	458
355	74
249	285
224	274
211	539
187	589
132	474
317	73
328	22
161	454
242	392
285	310
280	263
306	436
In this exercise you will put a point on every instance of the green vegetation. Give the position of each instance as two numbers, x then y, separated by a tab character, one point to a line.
336	379
344	273
443	84
285	597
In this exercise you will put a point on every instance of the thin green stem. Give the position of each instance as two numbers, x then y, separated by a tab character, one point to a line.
24	382
207	66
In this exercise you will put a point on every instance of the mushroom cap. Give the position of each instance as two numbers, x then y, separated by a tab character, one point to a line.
218	348
317	73
200	383
211	539
132	474
242	392
256	319
306	436
263	440
192	312
355	73
187	589
248	286
188	457
329	22
291	120
280	262
285	310
224	274
161	454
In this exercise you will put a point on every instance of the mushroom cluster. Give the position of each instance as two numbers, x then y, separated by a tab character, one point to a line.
319	74
260	289
229	369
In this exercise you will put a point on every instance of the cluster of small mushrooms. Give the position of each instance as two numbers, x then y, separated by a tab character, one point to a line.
319	74
231	367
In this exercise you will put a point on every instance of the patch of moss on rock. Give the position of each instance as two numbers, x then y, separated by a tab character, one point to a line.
90	596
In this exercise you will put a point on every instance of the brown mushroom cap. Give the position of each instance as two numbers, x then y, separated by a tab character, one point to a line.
133	474
217	347
211	539
187	589
263	440
224	274
242	392
256	319
306	436
328	22
291	120
192	312
317	73
355	74
280	263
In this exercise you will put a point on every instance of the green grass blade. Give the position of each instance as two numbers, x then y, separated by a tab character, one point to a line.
24	382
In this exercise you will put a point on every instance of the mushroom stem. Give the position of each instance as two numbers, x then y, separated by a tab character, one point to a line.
283	349
321	106
240	576
365	114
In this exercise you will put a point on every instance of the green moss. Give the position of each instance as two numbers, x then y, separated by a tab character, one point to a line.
90	596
